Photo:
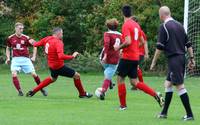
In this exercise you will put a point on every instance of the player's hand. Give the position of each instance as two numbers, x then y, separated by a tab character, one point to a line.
33	59
104	59
191	64
32	41
116	47
7	61
75	54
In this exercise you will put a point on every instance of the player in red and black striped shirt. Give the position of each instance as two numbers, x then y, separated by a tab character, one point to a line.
54	48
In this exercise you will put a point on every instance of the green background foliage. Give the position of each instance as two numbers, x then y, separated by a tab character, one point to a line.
83	22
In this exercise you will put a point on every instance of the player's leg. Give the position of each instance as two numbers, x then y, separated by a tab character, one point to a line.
16	83
27	67
168	97
37	81
108	74
15	67
139	70
122	71
142	86
69	72
185	101
79	86
44	83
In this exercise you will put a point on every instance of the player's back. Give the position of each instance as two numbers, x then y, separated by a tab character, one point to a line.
114	38
53	46
132	29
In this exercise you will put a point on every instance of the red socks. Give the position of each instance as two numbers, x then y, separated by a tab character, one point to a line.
140	77
43	84
106	84
122	94
142	86
79	86
16	83
37	79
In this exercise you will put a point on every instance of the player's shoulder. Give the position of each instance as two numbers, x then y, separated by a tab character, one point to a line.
110	32
9	37
25	36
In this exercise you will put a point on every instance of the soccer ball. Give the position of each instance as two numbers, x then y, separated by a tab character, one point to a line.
98	92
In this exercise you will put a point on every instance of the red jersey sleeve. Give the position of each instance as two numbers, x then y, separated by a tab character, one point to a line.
106	42
41	42
60	52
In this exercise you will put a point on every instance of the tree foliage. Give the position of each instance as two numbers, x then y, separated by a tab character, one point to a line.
83	21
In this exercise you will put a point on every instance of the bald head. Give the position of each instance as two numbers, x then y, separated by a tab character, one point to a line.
164	12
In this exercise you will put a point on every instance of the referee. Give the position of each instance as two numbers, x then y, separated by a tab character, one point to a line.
172	39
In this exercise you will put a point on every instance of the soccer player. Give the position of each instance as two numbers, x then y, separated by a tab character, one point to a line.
131	35
20	43
110	57
173	40
143	52
54	48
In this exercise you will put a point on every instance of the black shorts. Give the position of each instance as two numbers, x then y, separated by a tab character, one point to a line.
127	68
63	71
176	69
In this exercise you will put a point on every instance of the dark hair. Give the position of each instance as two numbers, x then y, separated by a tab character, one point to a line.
127	11
56	29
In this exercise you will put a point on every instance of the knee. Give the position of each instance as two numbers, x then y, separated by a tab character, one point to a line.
34	74
76	75
14	74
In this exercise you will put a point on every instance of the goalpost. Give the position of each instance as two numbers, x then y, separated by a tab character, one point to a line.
192	28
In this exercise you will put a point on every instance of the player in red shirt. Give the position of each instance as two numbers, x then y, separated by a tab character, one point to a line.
20	43
54	48
131	35
110	57
143	52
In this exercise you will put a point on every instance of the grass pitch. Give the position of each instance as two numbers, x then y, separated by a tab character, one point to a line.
63	107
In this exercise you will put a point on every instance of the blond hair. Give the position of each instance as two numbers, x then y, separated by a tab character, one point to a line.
18	24
112	24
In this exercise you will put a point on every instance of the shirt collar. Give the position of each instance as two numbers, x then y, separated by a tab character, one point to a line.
168	19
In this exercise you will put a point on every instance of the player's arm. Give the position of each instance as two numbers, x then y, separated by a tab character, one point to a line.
106	46
162	37
34	54
7	55
142	41
191	63
146	50
125	44
155	58
60	52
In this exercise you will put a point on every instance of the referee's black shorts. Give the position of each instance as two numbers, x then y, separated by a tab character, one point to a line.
63	71
176	69
127	68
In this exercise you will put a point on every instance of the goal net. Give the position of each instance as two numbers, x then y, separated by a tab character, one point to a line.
192	27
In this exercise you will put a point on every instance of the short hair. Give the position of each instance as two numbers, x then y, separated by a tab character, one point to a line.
56	30
18	24
112	24
164	10
127	11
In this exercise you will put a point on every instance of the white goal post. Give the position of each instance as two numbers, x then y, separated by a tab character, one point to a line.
192	28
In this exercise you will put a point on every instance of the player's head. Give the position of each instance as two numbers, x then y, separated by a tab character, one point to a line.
164	13
19	27
58	32
112	24
127	11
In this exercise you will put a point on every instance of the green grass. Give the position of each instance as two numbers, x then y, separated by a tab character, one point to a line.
63	107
